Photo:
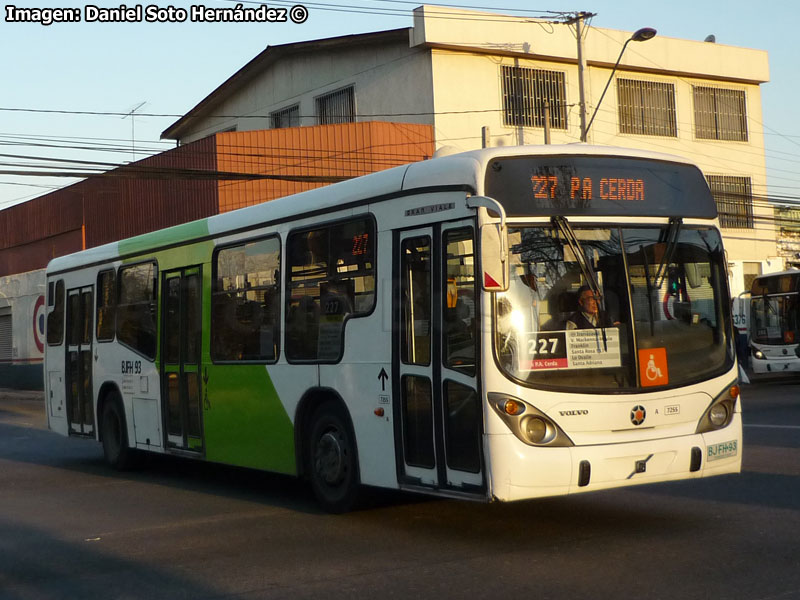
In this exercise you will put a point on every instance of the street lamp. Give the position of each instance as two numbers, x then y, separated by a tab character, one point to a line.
640	35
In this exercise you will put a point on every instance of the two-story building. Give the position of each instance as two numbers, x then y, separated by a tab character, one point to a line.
484	79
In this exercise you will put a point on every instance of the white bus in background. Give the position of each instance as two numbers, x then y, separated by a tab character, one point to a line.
409	330
775	322
22	326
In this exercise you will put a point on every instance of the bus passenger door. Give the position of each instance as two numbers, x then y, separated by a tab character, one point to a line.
181	310
438	421
80	403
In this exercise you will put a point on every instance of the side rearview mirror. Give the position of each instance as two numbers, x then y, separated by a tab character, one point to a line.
494	246
494	257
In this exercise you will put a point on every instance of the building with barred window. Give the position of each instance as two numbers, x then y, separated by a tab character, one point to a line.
305	114
488	79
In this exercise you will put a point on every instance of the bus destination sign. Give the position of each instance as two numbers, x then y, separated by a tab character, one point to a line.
609	188
598	185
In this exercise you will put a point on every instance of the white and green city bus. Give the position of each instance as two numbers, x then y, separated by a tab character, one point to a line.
408	330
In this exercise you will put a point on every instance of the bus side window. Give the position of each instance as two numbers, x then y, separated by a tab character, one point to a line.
331	277
417	299
245	302
55	320
459	301
136	308
106	306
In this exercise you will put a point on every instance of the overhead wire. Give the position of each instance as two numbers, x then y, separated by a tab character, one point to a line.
398	12
319	5
686	81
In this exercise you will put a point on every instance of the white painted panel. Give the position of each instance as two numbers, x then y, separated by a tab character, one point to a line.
146	423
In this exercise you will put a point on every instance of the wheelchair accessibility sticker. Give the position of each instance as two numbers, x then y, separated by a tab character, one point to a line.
653	369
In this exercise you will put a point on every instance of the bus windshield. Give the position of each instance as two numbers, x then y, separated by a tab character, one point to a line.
656	316
775	319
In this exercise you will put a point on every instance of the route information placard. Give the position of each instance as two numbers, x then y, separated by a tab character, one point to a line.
572	349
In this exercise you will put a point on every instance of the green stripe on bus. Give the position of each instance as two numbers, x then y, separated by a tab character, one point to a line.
164	237
245	423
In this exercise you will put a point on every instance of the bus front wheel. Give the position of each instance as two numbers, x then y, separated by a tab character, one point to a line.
114	433
332	462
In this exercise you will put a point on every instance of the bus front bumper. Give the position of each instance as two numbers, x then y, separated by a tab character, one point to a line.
774	365
521	472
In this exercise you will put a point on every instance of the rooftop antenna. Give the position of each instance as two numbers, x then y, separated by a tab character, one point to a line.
131	114
711	38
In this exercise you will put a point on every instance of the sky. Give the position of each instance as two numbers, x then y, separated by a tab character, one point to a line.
51	75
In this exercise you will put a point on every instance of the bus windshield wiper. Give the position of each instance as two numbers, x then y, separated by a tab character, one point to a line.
649	290
673	232
572	241
588	272
768	305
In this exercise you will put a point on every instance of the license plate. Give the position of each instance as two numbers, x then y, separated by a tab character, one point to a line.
723	450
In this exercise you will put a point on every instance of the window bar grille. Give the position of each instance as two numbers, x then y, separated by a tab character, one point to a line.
734	199
337	107
524	93
646	108
720	114
286	117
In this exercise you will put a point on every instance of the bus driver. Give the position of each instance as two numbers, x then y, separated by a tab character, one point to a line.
589	316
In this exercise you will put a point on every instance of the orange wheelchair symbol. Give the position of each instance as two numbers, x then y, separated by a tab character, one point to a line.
653	369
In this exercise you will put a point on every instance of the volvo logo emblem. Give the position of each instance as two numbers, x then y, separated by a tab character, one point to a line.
638	415
573	413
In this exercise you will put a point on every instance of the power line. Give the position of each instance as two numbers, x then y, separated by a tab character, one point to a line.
345	6
496	9
396	12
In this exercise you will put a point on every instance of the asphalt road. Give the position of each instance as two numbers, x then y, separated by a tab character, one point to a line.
72	528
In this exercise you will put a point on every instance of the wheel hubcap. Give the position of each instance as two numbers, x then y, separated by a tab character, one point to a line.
330	458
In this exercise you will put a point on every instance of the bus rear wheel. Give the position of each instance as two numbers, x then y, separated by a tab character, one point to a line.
332	463
114	432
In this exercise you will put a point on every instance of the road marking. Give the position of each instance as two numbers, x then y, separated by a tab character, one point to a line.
772	426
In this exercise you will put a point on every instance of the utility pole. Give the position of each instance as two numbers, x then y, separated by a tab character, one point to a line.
577	20
546	121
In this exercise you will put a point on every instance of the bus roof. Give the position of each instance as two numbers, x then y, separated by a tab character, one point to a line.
463	171
778	273
782	282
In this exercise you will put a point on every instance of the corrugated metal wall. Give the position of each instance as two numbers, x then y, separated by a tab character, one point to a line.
163	190
343	150
34	232
37	253
195	181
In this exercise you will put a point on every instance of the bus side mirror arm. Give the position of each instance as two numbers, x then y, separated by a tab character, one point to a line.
493	247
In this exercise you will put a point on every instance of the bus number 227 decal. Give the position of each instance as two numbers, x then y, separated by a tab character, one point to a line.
544	186
543	345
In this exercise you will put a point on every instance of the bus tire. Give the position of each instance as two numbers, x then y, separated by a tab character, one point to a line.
332	459
114	433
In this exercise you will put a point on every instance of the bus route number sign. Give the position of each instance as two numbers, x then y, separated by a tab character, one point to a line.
571	349
547	350
547	187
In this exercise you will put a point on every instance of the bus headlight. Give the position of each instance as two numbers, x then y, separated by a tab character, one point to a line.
530	425
756	353
720	413
537	430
